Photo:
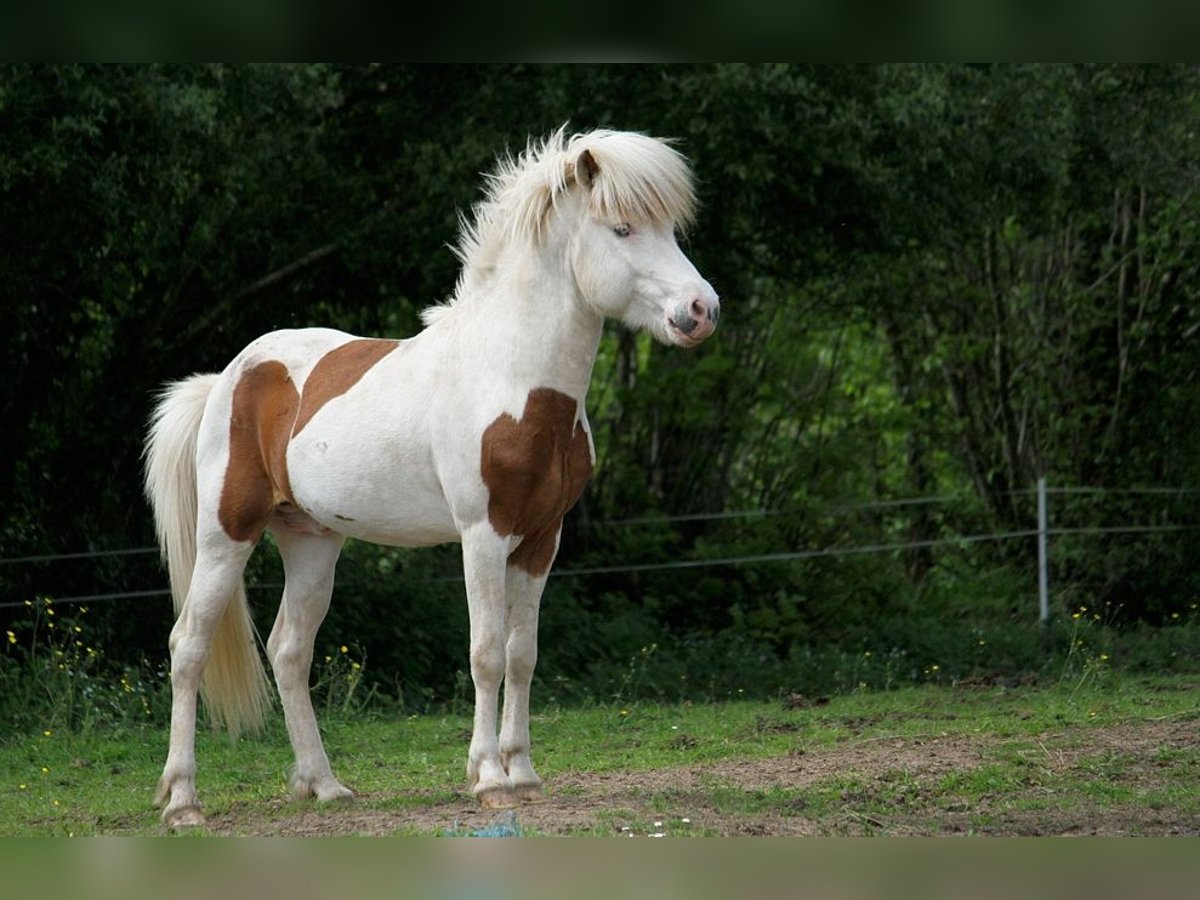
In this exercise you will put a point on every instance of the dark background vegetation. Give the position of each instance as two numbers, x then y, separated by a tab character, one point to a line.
938	281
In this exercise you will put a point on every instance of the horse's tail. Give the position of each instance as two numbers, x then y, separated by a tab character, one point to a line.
235	688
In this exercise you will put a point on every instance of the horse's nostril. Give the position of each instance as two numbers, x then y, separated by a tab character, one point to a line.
705	309
685	323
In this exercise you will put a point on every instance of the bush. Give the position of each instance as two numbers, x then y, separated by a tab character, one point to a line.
400	644
56	675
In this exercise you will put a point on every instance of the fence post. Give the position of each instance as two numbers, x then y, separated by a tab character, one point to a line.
1043	553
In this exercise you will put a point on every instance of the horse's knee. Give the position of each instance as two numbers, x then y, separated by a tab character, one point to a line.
487	661
522	650
522	659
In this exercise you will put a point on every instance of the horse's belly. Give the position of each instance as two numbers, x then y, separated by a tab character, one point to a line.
414	527
370	492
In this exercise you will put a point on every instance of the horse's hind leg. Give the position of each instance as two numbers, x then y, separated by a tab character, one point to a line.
523	596
308	562
215	578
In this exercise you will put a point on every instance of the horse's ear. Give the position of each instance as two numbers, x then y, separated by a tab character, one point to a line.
586	168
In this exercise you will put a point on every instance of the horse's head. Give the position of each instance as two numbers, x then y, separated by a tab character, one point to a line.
633	192
609	201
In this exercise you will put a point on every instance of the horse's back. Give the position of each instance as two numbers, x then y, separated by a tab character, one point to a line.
296	348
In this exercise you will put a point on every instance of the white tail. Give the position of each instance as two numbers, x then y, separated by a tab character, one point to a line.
235	687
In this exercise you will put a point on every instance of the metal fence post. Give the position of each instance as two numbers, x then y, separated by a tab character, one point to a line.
1043	553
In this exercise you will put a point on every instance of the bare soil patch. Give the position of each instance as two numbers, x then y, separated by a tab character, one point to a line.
893	786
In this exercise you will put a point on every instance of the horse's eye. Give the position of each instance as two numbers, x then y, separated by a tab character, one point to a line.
622	230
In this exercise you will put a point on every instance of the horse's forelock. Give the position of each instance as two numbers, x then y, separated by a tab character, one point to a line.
639	178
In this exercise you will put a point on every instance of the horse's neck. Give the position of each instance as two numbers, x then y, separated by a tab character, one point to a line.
537	331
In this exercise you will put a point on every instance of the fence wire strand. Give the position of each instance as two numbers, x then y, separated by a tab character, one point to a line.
749	559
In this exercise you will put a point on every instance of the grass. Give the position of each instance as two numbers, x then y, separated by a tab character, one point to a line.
1040	752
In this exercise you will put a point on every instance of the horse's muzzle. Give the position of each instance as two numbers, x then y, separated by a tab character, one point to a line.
693	322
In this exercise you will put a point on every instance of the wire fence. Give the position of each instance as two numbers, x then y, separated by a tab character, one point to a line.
85	554
1042	531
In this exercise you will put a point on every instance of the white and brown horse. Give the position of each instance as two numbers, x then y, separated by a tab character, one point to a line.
472	431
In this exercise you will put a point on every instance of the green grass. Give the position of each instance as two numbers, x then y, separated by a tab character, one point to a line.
102	781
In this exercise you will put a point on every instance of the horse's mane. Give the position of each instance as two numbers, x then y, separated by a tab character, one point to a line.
639	179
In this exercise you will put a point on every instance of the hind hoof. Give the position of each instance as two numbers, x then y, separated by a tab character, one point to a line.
184	818
324	790
340	796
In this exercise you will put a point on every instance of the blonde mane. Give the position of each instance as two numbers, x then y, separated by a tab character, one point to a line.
638	179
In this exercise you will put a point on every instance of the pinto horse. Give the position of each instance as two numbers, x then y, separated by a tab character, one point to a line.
473	431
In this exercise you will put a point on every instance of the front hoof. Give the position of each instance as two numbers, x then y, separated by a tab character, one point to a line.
530	793
496	798
183	818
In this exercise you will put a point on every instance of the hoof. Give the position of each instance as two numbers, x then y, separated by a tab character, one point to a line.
339	796
324	790
183	818
496	798
530	793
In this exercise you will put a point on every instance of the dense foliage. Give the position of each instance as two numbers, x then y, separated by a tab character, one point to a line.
938	281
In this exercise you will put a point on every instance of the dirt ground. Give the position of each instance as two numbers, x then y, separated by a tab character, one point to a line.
897	790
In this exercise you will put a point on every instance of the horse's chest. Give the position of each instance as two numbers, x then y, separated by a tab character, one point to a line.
535	469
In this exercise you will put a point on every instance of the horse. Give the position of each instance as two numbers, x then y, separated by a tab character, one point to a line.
472	431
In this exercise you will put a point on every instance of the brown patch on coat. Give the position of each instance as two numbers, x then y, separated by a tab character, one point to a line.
267	412
338	371
265	401
535	469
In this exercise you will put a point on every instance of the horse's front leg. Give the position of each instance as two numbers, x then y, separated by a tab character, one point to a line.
523	594
485	555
